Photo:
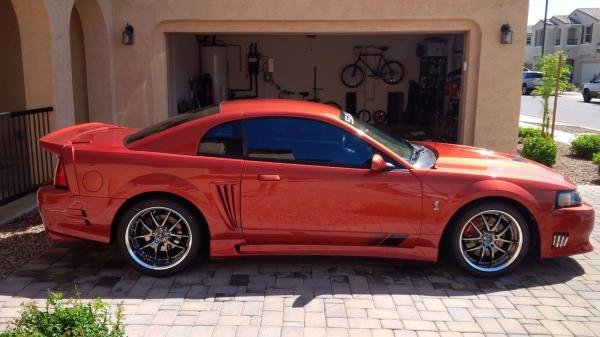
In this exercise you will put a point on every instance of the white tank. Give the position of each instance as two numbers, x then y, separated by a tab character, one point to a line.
213	60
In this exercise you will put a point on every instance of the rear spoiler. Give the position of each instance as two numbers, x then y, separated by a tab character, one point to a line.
55	141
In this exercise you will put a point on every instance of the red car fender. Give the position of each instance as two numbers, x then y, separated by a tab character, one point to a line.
435	222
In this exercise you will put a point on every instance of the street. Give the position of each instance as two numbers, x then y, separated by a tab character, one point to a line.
571	110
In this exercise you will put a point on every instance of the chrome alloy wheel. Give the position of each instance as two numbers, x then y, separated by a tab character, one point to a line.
491	240
158	238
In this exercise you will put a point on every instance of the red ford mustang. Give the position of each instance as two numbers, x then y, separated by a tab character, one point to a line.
277	177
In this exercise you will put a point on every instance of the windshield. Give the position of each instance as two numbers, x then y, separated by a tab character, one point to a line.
401	146
172	122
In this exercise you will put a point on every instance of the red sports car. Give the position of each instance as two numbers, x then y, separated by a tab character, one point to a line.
279	177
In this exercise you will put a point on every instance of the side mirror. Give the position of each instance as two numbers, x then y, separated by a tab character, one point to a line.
378	164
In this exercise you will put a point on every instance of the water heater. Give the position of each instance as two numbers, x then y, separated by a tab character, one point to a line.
213	60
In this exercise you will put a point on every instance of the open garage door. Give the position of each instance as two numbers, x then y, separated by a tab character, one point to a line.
409	85
588	70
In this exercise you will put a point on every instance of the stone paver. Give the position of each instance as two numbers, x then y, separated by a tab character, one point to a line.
331	296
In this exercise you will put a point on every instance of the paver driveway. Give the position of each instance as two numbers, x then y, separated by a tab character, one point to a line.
324	296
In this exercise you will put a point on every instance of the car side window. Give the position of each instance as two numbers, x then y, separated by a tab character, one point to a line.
224	140
304	141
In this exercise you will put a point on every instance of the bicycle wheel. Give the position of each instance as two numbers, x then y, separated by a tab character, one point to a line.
364	115
352	76
334	104
392	72
380	116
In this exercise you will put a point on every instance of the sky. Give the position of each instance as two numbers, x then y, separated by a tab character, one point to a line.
556	7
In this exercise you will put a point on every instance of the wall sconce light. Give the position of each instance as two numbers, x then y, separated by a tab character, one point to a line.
128	35
506	34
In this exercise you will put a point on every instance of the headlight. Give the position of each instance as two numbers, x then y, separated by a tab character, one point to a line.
568	199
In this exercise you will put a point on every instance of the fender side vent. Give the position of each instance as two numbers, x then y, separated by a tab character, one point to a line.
392	240
560	239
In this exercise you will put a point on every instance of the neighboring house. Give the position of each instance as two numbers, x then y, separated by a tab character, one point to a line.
71	55
577	34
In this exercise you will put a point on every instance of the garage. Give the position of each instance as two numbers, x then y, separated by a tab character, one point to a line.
407	84
588	71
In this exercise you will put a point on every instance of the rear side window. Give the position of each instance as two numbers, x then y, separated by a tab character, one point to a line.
171	122
533	75
224	140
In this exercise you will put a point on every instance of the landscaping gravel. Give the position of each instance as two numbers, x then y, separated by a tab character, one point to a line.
21	240
580	171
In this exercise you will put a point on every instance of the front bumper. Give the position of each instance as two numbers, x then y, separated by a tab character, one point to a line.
576	222
69	217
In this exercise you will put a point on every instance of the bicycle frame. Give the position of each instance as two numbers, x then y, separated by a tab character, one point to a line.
381	60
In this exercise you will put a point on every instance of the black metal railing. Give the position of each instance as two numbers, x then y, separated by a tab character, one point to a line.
24	166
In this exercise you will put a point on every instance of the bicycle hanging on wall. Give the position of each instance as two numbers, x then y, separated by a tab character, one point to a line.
390	71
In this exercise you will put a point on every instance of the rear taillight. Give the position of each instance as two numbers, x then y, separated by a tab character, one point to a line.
60	176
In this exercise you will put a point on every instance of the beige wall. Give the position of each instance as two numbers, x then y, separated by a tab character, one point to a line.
134	77
78	70
12	88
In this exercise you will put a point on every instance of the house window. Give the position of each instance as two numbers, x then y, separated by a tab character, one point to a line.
529	39
587	34
538	37
557	37
572	37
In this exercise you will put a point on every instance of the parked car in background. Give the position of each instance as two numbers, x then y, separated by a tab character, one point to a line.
281	177
591	90
531	79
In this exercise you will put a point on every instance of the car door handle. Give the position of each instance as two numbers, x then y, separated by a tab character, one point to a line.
268	177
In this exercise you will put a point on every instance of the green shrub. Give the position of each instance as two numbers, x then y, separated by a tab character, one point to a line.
529	132
585	146
596	160
540	149
67	318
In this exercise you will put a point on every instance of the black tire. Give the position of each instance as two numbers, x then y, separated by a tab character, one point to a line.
465	222
194	225
524	89
392	72
352	76
586	96
334	104
380	116
364	115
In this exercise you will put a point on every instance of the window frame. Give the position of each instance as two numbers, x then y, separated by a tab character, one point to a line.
245	156
587	38
311	163
241	121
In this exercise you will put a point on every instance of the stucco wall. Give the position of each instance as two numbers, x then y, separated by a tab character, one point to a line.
133	78
12	88
140	70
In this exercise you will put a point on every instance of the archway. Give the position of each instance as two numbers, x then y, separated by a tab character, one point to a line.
90	63
78	69
12	85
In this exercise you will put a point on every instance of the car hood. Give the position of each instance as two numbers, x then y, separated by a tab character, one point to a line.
495	164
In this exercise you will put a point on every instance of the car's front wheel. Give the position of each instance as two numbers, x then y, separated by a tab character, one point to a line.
524	89
587	97
159	237
489	239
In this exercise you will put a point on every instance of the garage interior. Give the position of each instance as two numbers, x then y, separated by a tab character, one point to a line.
421	103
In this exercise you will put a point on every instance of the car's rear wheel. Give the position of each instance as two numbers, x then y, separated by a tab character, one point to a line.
490	239
524	89
587	97
160	237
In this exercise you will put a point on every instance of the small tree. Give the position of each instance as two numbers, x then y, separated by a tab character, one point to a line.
548	66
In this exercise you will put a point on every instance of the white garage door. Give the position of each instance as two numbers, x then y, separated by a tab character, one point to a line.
588	70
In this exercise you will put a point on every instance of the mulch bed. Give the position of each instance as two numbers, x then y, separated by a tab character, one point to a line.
21	240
